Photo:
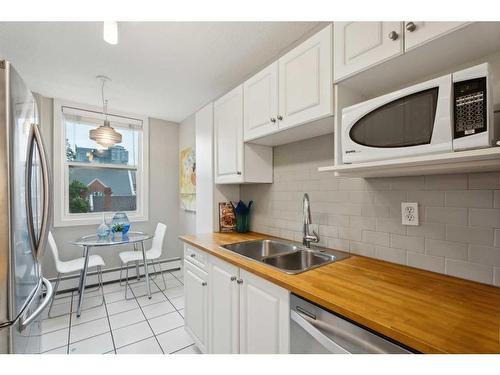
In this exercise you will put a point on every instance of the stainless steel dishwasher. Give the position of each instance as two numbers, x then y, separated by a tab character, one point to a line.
314	330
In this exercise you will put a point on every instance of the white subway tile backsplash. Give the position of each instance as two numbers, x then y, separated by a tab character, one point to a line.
390	254
408	183
338	243
362	222
361	248
350	233
428	230
376	238
410	243
489	180
483	217
459	232
496	280
484	255
390	225
446	182
469	198
472	235
375	211
471	271
426	262
446	215
427	198
446	249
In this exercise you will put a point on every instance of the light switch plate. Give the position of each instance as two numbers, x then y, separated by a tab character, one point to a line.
409	213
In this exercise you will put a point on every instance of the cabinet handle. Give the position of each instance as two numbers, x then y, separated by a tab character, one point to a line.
273	120
204	283
238	173
239	281
393	35
280	117
233	278
192	255
411	27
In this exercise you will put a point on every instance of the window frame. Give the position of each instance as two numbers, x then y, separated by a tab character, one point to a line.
62	217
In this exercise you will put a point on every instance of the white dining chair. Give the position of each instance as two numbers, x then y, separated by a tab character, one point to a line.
152	255
72	266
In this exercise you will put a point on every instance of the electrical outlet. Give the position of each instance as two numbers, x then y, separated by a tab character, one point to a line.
409	213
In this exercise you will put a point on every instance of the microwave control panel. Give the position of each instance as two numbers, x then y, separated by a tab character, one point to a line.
469	107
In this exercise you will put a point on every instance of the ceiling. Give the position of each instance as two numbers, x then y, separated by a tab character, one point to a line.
160	69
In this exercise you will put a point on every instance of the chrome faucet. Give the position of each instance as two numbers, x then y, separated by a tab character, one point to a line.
306	212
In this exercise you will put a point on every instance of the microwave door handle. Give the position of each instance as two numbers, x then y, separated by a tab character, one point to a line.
25	322
46	181
27	191
319	336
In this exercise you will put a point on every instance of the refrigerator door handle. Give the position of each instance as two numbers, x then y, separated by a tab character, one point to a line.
27	191
46	180
25	322
38	246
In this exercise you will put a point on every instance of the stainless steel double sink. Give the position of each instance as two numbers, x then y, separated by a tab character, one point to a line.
289	257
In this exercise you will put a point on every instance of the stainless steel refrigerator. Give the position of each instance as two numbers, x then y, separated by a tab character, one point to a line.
24	216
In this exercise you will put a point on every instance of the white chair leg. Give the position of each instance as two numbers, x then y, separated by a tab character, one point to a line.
54	294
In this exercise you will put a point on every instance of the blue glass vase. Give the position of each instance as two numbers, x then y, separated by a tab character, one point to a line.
121	219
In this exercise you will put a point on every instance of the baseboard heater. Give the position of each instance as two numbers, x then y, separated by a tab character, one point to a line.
174	262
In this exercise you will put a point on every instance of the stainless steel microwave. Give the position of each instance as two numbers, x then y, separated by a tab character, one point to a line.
450	113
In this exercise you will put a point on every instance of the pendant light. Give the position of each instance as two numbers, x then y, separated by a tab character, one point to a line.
105	135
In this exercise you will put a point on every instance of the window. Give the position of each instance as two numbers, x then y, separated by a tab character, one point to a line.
90	180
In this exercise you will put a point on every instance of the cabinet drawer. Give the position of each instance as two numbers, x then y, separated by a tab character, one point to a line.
197	257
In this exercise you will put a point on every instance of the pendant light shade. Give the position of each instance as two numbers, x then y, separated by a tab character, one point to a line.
105	135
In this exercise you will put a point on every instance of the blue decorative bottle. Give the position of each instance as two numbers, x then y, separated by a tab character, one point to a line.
103	229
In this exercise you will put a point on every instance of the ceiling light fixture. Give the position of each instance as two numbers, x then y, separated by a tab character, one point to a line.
110	32
105	135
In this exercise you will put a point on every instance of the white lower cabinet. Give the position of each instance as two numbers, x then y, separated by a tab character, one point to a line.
223	307
264	316
196	304
236	311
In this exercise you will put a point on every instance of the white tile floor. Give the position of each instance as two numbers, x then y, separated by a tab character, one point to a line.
135	326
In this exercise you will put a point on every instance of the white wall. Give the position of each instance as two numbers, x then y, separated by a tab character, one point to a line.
459	233
187	219
163	193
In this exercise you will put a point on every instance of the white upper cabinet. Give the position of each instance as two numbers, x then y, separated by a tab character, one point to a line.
359	45
228	135
224	307
264	316
419	32
261	103
235	161
305	81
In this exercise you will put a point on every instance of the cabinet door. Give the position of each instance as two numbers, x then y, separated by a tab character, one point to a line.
305	81
228	129
196	303
359	45
264	316
261	103
420	32
223	307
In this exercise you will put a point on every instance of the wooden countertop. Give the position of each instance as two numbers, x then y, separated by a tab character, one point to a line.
426	311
